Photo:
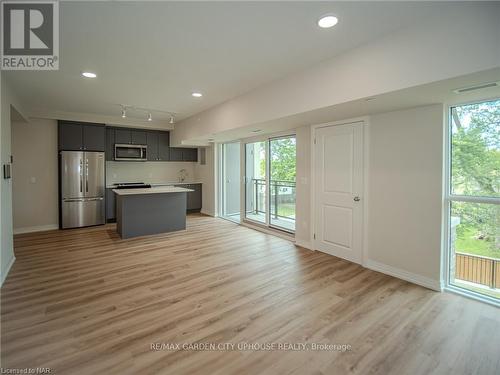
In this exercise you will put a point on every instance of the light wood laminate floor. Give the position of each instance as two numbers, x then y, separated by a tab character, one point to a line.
85	301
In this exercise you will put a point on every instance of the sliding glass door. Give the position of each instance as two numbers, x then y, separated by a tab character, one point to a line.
282	169
270	168
230	181
256	182
473	200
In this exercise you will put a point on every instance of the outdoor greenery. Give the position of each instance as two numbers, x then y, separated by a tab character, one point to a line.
283	159
475	170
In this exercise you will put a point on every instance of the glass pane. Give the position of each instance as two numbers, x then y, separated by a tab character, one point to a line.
231	181
283	162
475	247
255	184
475	149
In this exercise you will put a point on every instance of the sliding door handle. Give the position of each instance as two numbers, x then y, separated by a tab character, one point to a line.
357	199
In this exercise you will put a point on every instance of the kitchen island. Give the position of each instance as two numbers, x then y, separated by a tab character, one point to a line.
141	212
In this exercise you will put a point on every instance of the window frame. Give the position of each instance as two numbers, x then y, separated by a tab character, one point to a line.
447	201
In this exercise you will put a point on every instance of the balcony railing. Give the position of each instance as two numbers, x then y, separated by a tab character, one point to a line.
478	269
281	199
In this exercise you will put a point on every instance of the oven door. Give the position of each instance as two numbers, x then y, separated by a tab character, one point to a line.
130	152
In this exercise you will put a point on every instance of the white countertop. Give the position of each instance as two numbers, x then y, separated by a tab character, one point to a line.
152	190
112	186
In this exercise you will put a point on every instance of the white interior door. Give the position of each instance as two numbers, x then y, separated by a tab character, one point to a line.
338	186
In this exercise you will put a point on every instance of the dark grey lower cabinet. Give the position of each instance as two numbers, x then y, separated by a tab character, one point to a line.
110	205
194	201
193	197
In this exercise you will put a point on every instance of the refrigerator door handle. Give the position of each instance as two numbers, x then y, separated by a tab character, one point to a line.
74	200
81	176
87	175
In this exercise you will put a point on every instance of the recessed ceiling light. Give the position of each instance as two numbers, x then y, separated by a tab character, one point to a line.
89	74
197	94
327	21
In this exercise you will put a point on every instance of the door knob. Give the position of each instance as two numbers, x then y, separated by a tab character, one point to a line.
357	199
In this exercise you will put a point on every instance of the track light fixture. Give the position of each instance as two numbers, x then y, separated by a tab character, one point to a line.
127	108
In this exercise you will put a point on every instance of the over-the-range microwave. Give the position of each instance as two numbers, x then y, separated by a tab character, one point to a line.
131	152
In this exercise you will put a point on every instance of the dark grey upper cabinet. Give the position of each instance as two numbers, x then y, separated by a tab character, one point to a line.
158	143
183	154
110	143
163	146
70	136
81	136
190	154
123	136
152	143
94	137
175	154
138	137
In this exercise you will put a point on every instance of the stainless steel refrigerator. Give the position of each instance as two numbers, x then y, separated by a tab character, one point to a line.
82	189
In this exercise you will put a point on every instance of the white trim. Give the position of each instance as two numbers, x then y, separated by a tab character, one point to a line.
207	213
4	276
473	199
269	230
366	168
404	275
472	295
305	244
39	228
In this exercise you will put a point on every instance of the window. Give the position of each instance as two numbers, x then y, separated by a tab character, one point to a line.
473	200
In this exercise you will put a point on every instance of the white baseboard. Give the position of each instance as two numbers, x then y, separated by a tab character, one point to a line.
404	275
4	276
39	228
305	244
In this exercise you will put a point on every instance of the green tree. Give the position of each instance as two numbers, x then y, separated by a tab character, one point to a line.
283	159
476	171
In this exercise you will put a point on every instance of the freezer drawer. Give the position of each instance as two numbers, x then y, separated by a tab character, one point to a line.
83	212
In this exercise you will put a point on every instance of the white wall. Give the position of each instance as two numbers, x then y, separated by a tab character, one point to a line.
206	175
405	190
8	104
34	175
150	172
432	51
303	189
404	193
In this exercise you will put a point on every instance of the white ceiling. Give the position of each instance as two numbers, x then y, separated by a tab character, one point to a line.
155	54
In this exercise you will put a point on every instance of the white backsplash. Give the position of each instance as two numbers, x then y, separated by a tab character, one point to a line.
149	172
